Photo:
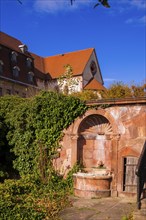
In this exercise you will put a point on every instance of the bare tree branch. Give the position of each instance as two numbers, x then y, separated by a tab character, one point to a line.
19	1
100	2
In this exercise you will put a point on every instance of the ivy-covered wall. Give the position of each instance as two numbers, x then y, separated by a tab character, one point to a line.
32	128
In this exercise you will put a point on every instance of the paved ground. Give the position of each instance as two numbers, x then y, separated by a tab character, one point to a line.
99	209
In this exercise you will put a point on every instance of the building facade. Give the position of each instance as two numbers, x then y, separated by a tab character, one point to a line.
25	73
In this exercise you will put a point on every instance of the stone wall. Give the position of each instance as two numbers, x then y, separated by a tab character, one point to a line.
114	135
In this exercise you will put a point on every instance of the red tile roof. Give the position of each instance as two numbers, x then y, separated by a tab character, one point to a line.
94	85
78	60
10	42
54	66
38	65
13	44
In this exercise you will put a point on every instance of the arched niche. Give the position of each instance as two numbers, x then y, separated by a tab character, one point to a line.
95	124
94	145
93	137
102	112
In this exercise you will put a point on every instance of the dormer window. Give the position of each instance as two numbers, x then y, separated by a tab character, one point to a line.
29	62
23	48
14	57
93	68
30	77
16	71
1	67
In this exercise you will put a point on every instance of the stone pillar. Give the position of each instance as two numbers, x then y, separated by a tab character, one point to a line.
74	150
114	163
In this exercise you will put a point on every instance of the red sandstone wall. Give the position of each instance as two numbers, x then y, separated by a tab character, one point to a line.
127	139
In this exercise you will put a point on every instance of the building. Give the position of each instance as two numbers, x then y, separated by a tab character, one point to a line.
25	73
114	135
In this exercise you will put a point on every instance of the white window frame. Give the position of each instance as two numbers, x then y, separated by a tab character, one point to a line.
29	62
30	77
14	56
16	71
1	66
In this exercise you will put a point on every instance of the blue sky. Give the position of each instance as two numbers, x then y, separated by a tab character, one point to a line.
50	27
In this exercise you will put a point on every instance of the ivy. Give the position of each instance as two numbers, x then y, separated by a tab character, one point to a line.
35	127
7	103
32	129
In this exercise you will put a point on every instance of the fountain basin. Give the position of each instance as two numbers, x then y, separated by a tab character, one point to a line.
91	185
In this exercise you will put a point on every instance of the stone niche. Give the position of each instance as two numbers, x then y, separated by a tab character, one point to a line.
94	152
94	142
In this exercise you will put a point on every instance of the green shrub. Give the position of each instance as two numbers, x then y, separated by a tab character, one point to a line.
28	198
32	131
69	178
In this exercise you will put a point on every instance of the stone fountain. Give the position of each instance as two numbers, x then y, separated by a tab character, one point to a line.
94	150
93	183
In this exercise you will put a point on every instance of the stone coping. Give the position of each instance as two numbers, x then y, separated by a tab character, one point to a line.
91	176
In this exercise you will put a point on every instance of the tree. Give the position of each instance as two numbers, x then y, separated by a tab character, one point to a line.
100	2
122	90
67	82
19	1
86	95
115	90
138	90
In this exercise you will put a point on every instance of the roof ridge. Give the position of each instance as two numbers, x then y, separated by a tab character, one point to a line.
76	51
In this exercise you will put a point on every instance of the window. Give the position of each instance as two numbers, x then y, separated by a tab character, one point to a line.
93	67
29	62
16	92
8	91
1	91
16	71
30	77
23	95
1	67
14	57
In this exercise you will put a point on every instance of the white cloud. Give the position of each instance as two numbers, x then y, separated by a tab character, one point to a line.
140	4
140	20
129	21
129	8
54	6
123	6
